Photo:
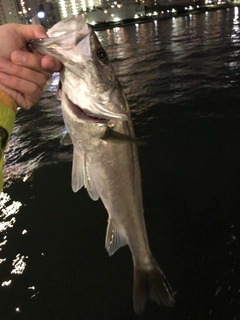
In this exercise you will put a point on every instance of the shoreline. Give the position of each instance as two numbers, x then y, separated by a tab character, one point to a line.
161	16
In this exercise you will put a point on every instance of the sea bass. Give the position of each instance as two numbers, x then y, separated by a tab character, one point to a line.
105	158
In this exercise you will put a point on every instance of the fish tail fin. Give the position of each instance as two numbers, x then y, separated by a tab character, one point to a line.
151	283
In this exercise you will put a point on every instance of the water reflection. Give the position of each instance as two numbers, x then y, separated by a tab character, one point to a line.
6	283
8	209
235	28
19	264
36	138
8	212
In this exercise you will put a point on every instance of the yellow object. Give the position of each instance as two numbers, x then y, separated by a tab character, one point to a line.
8	109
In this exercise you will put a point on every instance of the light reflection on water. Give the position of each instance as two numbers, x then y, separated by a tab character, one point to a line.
8	210
19	264
8	217
36	138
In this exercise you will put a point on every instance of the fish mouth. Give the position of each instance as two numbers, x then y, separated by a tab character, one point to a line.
82	114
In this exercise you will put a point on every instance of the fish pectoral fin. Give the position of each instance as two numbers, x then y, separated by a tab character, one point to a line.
115	239
92	181
66	140
118	137
77	170
84	174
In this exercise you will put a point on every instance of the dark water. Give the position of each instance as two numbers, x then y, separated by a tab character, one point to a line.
182	81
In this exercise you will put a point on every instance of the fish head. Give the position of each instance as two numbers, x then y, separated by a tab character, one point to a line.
62	39
87	79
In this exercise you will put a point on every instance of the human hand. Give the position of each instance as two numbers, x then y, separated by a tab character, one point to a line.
24	74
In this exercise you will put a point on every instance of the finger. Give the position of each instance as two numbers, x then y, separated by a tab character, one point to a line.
51	64
29	32
24	86
29	60
10	71
10	68
23	101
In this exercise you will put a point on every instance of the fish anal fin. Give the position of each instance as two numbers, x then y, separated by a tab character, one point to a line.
115	239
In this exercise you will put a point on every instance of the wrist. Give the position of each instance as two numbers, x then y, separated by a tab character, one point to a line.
8	101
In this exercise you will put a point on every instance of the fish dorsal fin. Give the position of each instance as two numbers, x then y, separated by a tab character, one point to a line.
66	140
115	239
83	174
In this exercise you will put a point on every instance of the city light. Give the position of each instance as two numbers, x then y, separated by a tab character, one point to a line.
41	14
63	8
91	4
70	7
74	7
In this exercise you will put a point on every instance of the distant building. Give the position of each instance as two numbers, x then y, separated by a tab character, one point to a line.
107	3
27	10
116	12
93	8
69	7
9	11
32	6
167	3
17	11
47	14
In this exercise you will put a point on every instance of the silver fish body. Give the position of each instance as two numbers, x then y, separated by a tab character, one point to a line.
105	158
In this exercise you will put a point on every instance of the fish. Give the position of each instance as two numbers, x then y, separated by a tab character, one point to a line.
105	152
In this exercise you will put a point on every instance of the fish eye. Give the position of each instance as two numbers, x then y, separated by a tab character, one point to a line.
101	54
